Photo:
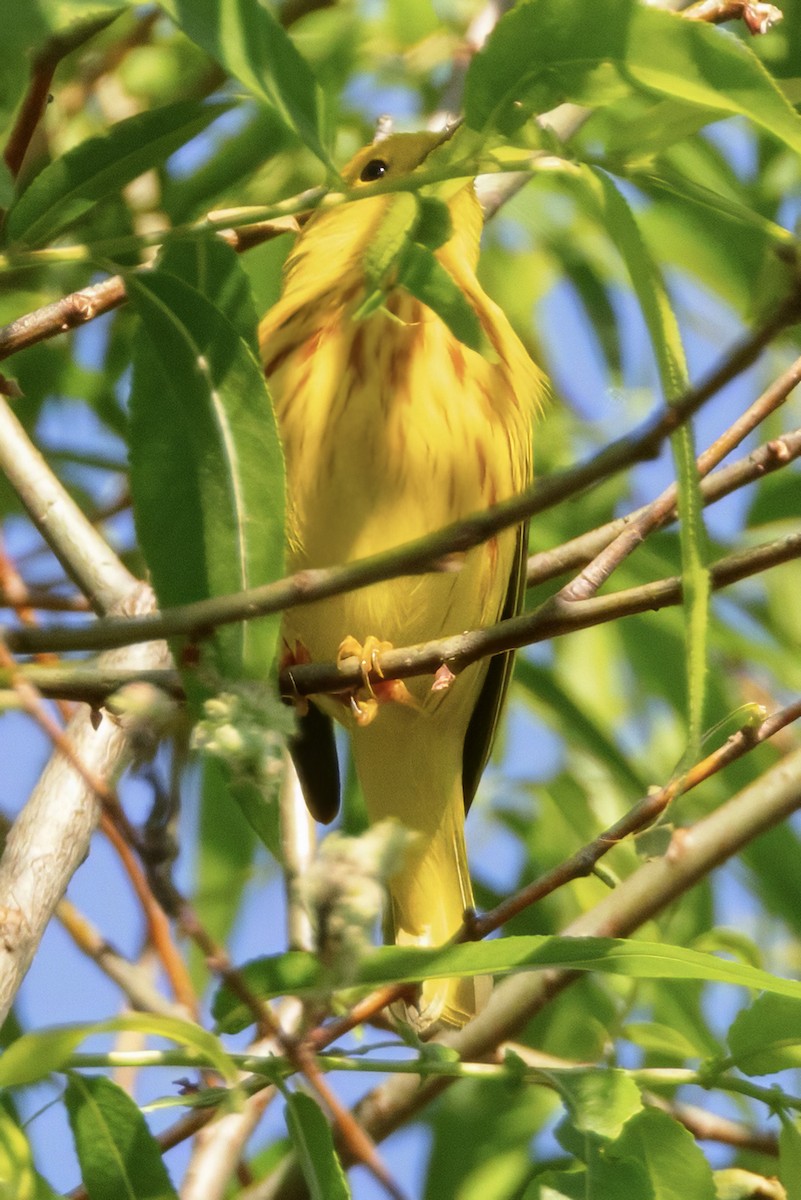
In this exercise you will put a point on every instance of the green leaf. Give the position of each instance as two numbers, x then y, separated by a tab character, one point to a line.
206	465
766	1036
660	1039
599	1181
71	186
119	1157
778	499
790	1157
314	1145
665	338
245	38
383	253
593	51
659	1144
298	973
434	225
223	862
389	237
17	1175
213	268
425	277
490	1121
36	1055
599	1102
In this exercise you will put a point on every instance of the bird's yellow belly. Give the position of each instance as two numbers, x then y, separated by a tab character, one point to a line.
375	462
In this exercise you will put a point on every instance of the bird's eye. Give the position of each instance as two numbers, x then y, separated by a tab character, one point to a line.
374	170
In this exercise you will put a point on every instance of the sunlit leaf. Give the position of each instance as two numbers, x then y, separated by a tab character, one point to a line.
311	1135
592	51
119	1157
245	38
70	187
206	466
298	972
766	1036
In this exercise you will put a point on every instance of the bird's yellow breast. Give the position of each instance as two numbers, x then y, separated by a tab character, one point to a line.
391	429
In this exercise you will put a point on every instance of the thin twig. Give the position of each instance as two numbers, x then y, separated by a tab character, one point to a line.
709	1127
554	618
194	620
639	817
772	456
711	841
132	981
642	814
661	510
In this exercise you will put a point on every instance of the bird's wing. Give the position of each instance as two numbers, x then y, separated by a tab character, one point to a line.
484	721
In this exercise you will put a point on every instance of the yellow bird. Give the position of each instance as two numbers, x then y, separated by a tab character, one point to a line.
392	428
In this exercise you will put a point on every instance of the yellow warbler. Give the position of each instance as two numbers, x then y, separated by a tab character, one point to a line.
392	428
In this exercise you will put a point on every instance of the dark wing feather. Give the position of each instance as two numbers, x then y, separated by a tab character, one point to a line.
484	721
314	754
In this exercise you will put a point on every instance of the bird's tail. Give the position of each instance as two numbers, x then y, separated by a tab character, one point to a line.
428	897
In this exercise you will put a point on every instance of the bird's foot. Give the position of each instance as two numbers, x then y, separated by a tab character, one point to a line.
374	690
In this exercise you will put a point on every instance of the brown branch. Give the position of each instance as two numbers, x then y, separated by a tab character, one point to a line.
639	817
772	456
297	1053
662	509
93	301
642	814
709	1127
67	313
93	685
554	618
41	599
694	853
115	826
194	620
43	68
132	981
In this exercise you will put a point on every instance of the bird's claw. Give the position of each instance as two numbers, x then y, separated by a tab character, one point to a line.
364	700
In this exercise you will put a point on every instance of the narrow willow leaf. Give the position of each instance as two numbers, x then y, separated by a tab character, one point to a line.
206	465
223	860
314	1146
594	51
387	245
663	329
790	1157
300	973
389	237
71	186
663	180
246	39
425	277
36	1055
661	1039
213	268
17	1174
118	1155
